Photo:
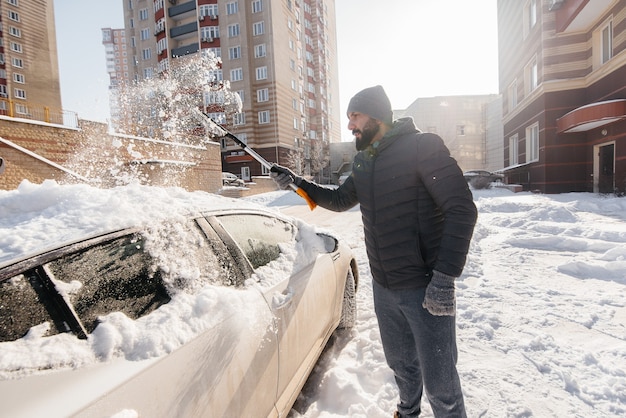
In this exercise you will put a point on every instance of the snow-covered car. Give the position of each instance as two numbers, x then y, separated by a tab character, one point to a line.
223	313
490	176
229	179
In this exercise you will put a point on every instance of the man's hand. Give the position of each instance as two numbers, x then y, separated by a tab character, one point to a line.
439	298
284	176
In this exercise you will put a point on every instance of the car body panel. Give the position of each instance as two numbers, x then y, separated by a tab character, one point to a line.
300	339
229	179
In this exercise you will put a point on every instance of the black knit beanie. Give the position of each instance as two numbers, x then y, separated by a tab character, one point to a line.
372	101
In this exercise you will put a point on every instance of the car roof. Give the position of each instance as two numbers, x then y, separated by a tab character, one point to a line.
80	240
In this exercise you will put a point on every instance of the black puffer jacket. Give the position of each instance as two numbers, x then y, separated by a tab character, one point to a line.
418	212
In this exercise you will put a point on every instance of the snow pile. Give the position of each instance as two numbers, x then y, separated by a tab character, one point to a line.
541	303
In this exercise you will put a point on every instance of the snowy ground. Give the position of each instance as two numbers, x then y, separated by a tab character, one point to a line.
541	303
541	313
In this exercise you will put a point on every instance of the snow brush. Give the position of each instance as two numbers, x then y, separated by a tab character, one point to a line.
211	124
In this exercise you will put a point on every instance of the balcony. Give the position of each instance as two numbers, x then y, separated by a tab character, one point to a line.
182	11
185	50
578	15
185	31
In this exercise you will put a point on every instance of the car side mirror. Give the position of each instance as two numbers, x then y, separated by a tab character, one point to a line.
330	243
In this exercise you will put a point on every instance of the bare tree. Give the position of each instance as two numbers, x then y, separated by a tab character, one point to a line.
162	106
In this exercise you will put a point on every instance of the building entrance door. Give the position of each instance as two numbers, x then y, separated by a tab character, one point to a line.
606	168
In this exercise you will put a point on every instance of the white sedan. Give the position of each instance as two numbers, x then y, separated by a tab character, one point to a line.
221	314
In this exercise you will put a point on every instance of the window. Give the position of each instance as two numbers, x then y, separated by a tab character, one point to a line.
236	74
261	73
512	95
460	130
15	32
234	52
161	45
260	51
532	143
121	279
143	14
210	32
19	78
531	76
146	54
513	150
117	274
258	28
257	6
216	75
12	2
144	34
213	97
14	16
262	95
259	236
530	16
209	10
607	42
15	47
21	310
233	30
19	93
232	8
242	96
240	119
17	62
264	117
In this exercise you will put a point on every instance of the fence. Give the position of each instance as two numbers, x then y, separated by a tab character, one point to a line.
26	110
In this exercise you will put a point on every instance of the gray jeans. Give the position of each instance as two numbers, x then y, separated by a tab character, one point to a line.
421	350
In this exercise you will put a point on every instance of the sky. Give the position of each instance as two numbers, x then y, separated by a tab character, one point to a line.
414	49
541	304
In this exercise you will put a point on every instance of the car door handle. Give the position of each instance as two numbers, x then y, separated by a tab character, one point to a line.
283	299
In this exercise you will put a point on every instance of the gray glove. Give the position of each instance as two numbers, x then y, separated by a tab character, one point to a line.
439	298
283	176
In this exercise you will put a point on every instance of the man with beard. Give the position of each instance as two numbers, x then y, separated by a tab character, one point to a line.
418	219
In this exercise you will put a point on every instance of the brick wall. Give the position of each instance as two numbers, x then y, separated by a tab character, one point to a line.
92	154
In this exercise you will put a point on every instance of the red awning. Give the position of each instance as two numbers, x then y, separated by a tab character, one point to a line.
591	116
238	158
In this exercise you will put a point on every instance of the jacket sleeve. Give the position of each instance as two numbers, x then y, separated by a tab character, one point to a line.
450	192
336	199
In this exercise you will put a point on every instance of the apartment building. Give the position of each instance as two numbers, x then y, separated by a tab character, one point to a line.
461	121
562	75
280	57
29	69
118	68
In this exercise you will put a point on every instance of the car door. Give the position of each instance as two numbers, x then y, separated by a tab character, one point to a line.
222	371
302	300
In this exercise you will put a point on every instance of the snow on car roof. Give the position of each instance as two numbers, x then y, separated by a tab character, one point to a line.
37	216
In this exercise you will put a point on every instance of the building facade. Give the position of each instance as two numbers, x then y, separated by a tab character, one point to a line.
118	68
280	57
461	121
562	75
29	71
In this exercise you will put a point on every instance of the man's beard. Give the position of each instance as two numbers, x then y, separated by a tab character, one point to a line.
370	130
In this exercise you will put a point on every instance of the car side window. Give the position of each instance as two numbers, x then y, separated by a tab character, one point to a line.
21	307
258	236
115	276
